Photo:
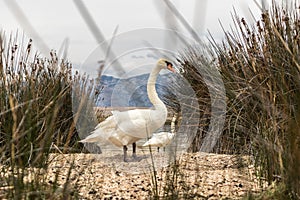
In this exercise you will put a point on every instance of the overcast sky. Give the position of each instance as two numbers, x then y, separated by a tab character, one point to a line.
57	20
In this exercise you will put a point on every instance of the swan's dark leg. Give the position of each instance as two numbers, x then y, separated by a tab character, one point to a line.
125	153
134	150
157	149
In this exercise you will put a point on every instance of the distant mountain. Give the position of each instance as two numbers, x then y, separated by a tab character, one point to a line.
132	92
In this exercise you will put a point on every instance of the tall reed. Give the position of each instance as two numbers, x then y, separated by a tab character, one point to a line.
261	72
260	67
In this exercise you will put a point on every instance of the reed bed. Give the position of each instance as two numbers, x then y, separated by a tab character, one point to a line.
36	118
260	67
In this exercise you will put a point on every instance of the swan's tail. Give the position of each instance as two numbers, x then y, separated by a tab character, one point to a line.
102	131
91	139
97	135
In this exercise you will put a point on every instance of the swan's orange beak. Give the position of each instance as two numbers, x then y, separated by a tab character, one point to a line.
171	68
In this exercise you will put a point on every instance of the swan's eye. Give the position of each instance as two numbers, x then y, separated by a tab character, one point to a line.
168	63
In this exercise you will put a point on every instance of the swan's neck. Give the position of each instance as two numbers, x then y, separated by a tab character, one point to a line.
151	90
173	124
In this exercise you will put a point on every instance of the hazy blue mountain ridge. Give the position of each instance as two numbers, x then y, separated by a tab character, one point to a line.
131	92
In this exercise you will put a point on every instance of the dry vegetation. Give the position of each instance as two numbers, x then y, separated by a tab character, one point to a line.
260	69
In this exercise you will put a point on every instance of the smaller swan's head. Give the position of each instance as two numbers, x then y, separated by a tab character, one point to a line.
165	64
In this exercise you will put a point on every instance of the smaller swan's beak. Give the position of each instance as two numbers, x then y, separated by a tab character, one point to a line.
171	68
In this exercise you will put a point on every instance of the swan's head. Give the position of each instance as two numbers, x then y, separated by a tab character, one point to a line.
165	64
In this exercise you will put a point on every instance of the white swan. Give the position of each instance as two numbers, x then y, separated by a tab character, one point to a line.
162	139
127	127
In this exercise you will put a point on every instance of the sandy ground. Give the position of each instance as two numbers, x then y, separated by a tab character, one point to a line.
199	175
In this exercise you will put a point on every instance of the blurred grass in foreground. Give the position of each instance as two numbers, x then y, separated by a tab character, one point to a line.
36	118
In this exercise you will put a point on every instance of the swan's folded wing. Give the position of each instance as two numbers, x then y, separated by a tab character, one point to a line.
120	139
121	116
135	127
134	122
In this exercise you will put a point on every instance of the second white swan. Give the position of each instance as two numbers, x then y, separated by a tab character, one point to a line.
162	139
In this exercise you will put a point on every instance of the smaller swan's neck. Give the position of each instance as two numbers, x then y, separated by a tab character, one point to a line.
151	90
173	123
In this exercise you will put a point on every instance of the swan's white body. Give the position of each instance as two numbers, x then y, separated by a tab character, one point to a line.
162	139
127	127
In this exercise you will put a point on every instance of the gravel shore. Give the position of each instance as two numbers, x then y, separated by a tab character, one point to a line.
198	175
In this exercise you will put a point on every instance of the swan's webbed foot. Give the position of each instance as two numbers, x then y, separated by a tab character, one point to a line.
134	156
